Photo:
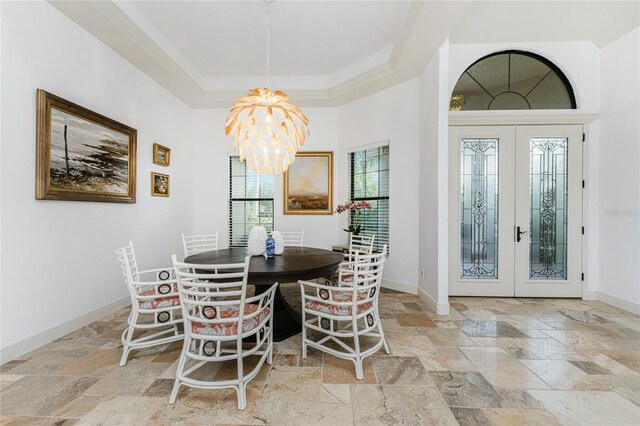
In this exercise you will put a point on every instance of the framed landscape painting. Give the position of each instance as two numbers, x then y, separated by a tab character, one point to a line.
308	184
82	155
161	155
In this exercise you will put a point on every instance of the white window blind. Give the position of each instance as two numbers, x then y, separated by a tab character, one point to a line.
250	201
369	171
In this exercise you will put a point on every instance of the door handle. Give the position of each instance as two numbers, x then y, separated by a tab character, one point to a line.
519	234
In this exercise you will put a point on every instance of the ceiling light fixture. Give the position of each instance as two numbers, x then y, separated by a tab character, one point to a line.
267	129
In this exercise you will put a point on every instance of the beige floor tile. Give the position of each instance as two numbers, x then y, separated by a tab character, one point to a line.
316	413
589	408
466	389
335	393
42	395
343	371
448	337
293	384
79	406
495	353
502	370
35	421
561	374
122	410
95	363
207	407
396	370
626	386
470	416
131	379
455	360
520	417
414	320
7	379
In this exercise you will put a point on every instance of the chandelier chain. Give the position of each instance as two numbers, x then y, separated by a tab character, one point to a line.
268	36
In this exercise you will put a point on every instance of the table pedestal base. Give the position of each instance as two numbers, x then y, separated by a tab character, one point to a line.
286	321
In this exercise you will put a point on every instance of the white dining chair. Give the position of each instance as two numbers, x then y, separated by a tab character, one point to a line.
155	304
194	244
346	313
217	317
360	244
292	239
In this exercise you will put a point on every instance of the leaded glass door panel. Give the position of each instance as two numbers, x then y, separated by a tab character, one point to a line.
548	224
481	170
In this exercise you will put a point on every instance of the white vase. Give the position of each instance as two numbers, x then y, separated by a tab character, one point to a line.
277	237
257	242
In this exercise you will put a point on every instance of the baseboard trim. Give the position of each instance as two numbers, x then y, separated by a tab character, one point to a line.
398	286
626	305
27	345
438	308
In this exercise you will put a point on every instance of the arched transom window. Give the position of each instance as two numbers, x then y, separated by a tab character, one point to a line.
512	79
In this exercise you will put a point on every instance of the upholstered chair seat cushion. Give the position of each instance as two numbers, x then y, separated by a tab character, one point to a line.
340	296
229	328
160	301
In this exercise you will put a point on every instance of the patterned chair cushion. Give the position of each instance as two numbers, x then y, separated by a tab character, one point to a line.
229	328
160	301
340	296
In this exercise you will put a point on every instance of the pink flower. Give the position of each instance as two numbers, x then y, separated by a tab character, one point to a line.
350	205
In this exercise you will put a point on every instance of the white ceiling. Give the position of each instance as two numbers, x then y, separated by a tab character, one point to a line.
324	52
227	39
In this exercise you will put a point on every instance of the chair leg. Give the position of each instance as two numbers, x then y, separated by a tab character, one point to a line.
356	345
304	335
359	369
384	340
242	396
180	368
127	335
174	391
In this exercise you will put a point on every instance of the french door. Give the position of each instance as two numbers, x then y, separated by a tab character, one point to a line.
516	211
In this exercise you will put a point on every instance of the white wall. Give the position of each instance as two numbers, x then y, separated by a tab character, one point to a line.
392	114
618	158
429	113
211	178
58	258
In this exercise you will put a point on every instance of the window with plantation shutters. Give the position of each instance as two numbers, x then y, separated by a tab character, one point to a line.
250	201
369	171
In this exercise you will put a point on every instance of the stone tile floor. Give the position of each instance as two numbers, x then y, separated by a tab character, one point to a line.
490	362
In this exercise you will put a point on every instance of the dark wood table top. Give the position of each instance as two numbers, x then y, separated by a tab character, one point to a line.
296	263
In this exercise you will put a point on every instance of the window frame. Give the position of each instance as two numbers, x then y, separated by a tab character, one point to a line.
384	198
258	200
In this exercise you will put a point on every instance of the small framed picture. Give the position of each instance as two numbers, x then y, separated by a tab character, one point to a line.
159	184
161	155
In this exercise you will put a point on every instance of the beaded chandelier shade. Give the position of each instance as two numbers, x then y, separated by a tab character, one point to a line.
267	129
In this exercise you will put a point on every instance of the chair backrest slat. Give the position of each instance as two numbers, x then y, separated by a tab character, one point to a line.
213	294
194	244
292	239
362	244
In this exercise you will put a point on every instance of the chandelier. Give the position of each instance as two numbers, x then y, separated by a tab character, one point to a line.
267	129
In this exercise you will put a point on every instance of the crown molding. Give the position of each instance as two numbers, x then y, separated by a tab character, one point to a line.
124	34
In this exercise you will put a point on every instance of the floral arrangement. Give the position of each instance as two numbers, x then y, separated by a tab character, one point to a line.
356	207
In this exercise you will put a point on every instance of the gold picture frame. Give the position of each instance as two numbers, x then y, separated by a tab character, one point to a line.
161	155
160	184
308	184
82	155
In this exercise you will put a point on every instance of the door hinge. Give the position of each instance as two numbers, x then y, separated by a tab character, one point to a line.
583	183
584	137
583	276
583	230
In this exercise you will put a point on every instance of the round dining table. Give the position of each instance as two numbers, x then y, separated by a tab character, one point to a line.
295	263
